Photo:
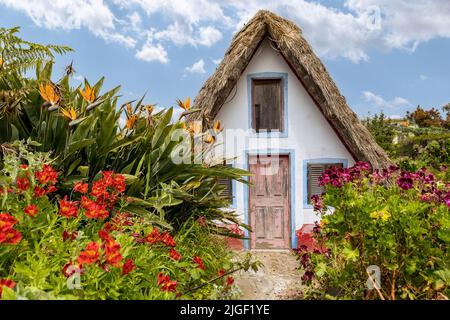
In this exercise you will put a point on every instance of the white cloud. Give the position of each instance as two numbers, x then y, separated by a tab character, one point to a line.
197	67
151	52
217	61
423	77
73	14
351	32
380	102
78	77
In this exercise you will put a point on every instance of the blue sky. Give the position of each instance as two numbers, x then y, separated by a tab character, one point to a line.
388	55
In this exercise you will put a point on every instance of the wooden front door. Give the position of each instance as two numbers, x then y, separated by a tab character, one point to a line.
269	202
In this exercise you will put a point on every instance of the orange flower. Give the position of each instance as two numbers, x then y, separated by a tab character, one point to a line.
217	127
81	187
186	104
150	108
48	93
195	127
90	254
131	120
88	94
31	210
210	139
68	208
70	114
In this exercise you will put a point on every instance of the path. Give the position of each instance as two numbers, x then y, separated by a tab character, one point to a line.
278	279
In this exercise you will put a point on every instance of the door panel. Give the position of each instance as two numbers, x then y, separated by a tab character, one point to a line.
269	202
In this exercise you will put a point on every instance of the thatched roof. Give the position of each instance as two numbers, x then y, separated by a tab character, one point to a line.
288	39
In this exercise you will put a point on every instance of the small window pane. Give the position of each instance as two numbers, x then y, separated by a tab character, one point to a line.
315	171
267	105
228	186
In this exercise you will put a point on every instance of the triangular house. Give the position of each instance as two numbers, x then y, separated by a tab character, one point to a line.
275	94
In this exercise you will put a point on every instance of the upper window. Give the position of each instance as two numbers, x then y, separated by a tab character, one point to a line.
267	105
315	171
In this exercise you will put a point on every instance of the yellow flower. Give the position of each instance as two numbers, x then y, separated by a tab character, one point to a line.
217	126
183	125
129	109
88	94
48	93
1	62
186	105
383	215
324	222
131	120
70	114
150	108
195	127
210	139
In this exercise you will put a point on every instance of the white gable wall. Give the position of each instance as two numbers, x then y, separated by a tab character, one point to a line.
309	135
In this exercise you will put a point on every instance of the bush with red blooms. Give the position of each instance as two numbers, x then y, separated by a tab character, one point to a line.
85	245
383	234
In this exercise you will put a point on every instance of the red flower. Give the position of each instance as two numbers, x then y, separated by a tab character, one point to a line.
119	183
31	210
99	189
174	254
153	236
221	272
107	177
86	202
230	281
47	175
51	189
69	235
128	266
167	239
23	167
90	254
81	187
167	285
6	283
68	208
6	221
104	235
170	286
10	236
199	262
65	269
96	211
23	183
113	256
39	192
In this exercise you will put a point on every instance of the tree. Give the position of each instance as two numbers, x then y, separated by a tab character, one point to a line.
425	118
381	129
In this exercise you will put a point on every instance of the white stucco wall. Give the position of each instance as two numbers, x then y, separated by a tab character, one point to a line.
308	132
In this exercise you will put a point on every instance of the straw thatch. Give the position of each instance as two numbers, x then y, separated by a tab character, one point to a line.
287	38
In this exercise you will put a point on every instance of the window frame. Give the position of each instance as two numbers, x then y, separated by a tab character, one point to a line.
306	164
284	103
279	84
232	186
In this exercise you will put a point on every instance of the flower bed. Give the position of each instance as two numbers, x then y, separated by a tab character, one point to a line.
388	237
86	245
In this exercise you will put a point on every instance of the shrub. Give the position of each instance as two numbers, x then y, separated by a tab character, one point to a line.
396	220
87	245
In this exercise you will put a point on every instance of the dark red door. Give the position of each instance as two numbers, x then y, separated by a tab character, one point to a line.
269	202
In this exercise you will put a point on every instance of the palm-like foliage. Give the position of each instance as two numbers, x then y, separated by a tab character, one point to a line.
18	56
